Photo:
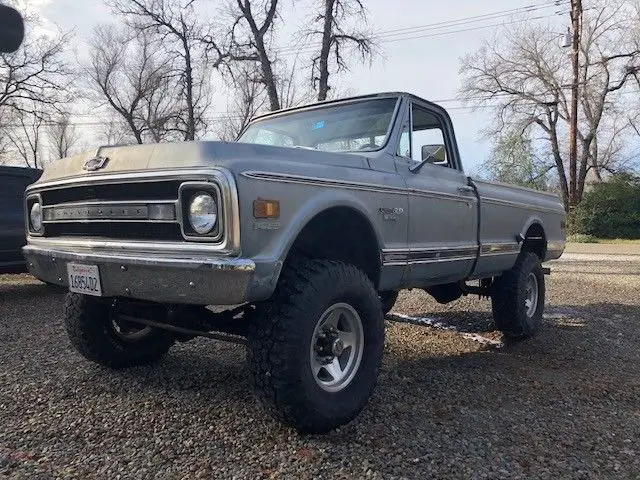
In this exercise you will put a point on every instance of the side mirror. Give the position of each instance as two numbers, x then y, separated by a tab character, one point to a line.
434	153
11	29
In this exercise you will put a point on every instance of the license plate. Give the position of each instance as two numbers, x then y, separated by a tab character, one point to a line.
84	279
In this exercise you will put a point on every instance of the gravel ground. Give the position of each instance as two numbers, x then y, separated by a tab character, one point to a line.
563	405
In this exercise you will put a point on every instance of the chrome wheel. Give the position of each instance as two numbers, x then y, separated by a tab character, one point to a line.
531	295
336	347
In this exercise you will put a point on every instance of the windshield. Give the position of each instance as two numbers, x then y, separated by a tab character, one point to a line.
358	126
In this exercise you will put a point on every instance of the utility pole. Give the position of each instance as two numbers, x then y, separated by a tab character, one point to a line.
576	20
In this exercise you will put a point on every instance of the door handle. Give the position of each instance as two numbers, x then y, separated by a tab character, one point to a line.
465	189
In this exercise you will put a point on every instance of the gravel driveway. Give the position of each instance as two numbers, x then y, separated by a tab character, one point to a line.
564	405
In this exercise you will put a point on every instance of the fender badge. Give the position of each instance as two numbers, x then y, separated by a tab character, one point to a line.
95	163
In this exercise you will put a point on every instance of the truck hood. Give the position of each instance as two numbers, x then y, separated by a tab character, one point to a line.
185	155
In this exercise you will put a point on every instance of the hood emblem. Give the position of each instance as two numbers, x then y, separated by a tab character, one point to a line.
95	163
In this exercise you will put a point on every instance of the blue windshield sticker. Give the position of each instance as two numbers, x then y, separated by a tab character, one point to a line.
318	125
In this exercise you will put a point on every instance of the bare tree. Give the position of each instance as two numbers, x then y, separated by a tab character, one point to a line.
26	136
175	24
290	91
248	99
336	38
524	76
129	73
249	42
113	131
35	73
514	160
62	136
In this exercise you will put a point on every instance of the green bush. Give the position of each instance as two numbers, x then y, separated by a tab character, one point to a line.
610	210
581	238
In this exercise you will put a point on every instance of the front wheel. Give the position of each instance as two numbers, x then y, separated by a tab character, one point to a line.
100	335
316	353
518	298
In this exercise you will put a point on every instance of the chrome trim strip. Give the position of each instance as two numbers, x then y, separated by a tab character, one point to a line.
407	249
402	256
494	248
371	187
215	263
444	196
440	260
142	215
494	183
82	243
132	176
89	203
509	203
325	182
494	254
408	256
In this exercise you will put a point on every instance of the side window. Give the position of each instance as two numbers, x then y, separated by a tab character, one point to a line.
427	135
404	147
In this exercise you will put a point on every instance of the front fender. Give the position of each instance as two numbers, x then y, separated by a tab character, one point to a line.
268	242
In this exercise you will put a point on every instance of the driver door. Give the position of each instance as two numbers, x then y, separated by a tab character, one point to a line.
443	218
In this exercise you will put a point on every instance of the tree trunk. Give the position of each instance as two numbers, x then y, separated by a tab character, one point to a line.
555	148
323	62
576	10
267	75
190	134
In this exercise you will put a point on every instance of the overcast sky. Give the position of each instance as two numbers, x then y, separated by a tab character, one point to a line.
426	66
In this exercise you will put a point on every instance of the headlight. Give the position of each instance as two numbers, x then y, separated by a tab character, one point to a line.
203	213
36	217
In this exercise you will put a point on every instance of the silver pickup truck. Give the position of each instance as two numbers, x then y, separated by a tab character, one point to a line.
300	234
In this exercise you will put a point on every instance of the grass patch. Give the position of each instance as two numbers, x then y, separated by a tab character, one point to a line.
582	238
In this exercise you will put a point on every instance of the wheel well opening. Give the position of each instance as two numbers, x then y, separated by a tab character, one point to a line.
341	234
535	241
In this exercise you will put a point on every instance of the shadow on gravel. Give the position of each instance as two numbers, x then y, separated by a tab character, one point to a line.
28	290
599	336
198	365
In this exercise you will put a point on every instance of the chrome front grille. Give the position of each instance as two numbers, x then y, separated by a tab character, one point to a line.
131	210
120	211
135	211
111	211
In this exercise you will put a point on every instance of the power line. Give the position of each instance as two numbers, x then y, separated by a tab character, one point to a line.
387	36
221	116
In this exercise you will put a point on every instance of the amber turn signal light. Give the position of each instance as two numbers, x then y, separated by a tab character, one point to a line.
266	208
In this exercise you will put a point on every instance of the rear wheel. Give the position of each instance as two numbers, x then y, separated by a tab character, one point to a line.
99	334
316	352
518	298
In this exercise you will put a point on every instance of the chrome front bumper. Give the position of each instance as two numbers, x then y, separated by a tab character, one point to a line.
155	277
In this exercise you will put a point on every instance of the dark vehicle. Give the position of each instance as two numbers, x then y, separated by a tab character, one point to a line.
13	182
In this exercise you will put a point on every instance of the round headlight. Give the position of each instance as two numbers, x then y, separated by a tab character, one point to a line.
203	213
36	217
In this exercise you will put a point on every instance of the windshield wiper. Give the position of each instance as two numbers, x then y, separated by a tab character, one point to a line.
306	148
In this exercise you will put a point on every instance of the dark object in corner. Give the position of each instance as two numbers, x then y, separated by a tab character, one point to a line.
11	29
13	182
